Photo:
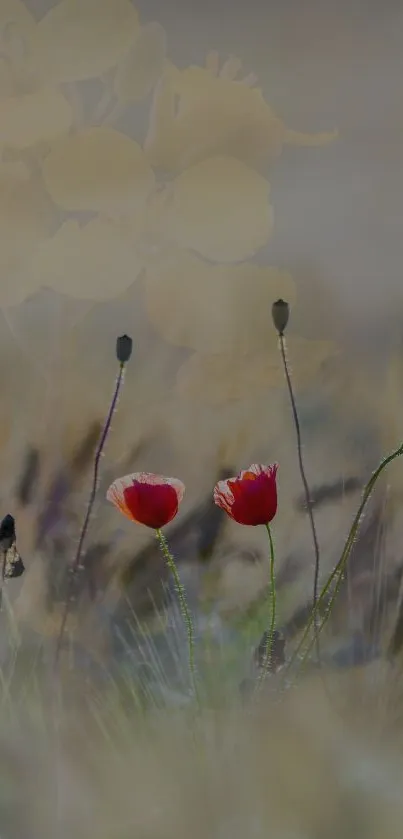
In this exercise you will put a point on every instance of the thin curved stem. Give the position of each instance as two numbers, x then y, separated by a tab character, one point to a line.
308	500
338	571
179	588
76	563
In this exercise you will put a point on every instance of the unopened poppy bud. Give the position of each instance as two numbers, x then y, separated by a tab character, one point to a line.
124	346
280	311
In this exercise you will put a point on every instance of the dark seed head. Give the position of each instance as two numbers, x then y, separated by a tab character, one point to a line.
124	346
280	311
7	532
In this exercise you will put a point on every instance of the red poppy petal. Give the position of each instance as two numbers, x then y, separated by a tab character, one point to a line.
264	499
115	495
255	501
153	505
247	507
147	498
251	497
223	496
258	469
270	491
157	480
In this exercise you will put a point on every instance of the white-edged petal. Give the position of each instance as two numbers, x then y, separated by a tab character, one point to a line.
223	495
260	469
120	484
150	478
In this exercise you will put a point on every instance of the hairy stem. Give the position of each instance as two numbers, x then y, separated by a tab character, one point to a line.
180	591
268	653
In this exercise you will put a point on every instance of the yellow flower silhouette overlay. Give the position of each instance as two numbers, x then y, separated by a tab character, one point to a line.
26	216
82	39
187	208
76	40
214	308
219	209
32	109
204	111
219	378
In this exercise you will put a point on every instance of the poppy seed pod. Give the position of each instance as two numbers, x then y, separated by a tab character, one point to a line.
124	346
280	311
7	532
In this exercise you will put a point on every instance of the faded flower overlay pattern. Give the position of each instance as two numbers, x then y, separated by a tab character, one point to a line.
93	195
137	192
122	174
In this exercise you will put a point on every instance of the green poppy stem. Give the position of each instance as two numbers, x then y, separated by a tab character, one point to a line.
338	571
268	654
180	591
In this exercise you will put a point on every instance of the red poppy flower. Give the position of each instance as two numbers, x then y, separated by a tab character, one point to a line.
146	498
251	497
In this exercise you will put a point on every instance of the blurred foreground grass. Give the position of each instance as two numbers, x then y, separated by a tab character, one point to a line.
118	750
100	764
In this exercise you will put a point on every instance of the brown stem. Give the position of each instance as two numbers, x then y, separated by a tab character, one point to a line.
76	563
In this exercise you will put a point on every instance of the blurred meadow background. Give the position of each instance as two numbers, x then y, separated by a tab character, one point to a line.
168	170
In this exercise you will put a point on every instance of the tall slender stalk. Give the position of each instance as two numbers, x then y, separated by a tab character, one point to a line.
123	350
180	591
268	653
308	500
